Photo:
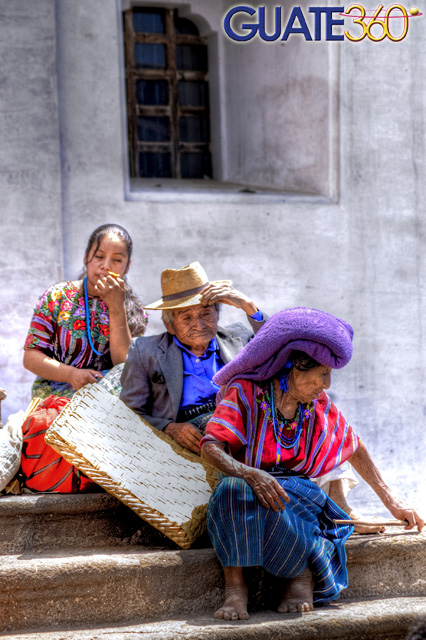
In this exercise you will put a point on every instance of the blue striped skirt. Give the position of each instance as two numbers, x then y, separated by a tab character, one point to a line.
246	534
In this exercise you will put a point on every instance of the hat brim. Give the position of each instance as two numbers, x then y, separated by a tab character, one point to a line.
180	303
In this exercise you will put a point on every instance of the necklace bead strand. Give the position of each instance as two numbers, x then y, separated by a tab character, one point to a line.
296	423
88	322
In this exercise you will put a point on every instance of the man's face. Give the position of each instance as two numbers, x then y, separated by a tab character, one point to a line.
195	326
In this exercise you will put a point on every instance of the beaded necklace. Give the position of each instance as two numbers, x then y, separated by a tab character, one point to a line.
296	423
86	305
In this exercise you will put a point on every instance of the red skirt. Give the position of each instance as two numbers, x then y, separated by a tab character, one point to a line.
43	468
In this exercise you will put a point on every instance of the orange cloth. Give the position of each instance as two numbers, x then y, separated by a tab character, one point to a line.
43	468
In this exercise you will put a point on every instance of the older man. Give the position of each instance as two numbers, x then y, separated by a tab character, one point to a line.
167	378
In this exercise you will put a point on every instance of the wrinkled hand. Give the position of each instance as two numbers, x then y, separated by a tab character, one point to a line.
267	489
401	511
112	291
185	434
80	377
226	294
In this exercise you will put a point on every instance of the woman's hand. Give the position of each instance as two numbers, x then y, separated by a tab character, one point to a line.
50	369
364	465
112	291
402	511
267	489
79	377
226	294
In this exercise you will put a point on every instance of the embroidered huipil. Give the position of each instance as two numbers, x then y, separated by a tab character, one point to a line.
58	329
244	423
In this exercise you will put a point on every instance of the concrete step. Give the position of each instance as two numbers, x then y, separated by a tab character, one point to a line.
368	619
390	564
54	521
80	588
70	587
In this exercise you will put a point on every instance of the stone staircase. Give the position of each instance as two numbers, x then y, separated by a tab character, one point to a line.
86	567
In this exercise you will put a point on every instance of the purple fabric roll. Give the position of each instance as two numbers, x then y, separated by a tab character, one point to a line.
321	335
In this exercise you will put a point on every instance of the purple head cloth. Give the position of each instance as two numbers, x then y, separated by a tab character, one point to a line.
321	335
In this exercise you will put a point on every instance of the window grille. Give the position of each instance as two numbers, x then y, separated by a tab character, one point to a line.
167	95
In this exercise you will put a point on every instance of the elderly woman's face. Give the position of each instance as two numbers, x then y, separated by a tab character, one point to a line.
308	385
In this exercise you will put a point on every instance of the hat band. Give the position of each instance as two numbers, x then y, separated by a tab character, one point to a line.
184	294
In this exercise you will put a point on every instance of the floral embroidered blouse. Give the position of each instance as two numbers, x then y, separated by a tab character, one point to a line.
58	329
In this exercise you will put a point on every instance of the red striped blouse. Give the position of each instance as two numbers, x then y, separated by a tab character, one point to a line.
243	421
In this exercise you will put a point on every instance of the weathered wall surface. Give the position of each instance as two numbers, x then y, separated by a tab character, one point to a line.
360	257
30	183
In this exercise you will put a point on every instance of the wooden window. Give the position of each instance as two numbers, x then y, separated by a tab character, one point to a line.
167	95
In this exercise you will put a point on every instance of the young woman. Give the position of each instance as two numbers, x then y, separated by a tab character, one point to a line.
83	328
79	331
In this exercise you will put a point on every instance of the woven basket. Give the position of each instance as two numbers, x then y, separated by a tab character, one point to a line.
163	483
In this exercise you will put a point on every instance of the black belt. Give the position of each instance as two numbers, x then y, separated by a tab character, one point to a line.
197	414
194	410
282	472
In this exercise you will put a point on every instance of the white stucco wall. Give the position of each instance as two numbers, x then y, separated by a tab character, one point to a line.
358	254
30	182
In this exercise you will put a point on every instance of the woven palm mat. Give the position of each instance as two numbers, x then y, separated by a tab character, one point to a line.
163	483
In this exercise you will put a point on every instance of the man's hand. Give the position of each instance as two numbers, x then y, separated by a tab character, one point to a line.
267	489
185	434
226	294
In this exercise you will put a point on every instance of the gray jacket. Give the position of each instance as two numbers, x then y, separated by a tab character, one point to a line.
152	378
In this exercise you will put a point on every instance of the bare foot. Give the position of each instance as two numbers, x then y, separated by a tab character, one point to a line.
236	592
298	594
337	495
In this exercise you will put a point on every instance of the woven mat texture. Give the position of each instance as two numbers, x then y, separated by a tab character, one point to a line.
165	484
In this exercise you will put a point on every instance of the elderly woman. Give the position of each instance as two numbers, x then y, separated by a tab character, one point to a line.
273	430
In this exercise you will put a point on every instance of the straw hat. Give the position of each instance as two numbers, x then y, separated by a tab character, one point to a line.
183	287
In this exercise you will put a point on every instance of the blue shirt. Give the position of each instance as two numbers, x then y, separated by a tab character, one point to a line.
198	371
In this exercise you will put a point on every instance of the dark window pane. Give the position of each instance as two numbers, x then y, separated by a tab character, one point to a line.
191	57
194	129
148	20
185	26
153	129
150	56
152	92
193	94
195	165
154	165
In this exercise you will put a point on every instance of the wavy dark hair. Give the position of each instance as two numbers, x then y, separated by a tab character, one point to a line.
302	361
136	316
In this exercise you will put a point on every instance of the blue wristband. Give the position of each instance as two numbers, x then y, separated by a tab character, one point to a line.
258	316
